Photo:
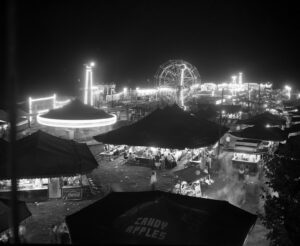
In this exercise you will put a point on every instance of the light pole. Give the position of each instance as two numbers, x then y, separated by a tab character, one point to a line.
181	99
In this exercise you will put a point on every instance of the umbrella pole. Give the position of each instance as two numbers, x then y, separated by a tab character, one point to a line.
11	78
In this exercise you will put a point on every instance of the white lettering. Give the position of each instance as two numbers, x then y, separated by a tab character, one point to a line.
157	224
144	221
162	235
150	221
137	228
155	234
148	233
164	224
143	229
137	222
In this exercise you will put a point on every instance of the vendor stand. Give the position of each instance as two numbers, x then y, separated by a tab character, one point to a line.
191	181
247	155
48	167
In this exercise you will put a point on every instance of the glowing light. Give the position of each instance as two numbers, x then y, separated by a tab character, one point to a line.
223	111
92	64
234	79
181	100
267	125
31	100
240	78
125	90
59	104
77	123
289	89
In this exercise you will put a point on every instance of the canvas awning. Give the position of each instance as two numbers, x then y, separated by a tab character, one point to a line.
170	127
43	155
261	132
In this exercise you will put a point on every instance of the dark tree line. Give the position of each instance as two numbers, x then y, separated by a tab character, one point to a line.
282	201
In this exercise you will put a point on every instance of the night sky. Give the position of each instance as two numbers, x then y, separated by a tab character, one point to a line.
129	40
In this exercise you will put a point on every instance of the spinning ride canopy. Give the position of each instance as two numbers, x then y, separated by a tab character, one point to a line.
264	119
42	155
157	217
76	115
262	133
170	127
5	210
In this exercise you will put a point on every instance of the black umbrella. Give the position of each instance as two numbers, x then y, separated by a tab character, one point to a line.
159	217
5	210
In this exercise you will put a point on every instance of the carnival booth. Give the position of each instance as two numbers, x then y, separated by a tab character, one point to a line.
165	138
192	181
253	144
48	167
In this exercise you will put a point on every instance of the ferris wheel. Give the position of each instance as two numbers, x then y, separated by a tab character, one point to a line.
177	74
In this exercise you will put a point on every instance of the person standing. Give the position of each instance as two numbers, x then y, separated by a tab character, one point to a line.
153	180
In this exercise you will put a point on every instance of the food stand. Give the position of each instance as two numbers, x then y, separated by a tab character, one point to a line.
48	167
247	155
191	181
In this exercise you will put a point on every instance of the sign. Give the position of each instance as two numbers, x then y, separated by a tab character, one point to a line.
148	227
72	193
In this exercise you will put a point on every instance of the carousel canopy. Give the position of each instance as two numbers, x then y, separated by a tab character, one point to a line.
261	132
170	127
264	119
290	148
76	110
43	155
136	216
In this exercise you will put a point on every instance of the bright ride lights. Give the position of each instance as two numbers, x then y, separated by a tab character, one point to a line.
77	123
88	89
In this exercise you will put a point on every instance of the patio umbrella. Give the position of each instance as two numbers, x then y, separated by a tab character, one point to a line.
261	132
5	210
157	217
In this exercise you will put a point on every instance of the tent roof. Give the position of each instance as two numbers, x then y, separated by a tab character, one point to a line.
261	132
230	223
5	210
293	128
76	110
190	174
290	148
44	155
170	127
264	119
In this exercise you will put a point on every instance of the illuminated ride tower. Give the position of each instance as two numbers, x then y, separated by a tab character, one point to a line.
88	86
80	119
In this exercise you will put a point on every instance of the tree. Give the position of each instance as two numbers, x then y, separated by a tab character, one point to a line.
282	201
